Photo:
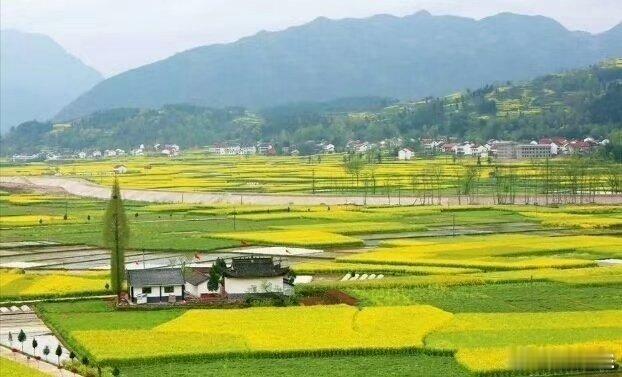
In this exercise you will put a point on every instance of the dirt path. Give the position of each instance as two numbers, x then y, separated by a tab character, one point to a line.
80	187
41	366
14	319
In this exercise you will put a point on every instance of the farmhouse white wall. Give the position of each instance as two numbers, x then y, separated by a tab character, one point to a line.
155	291
198	290
241	286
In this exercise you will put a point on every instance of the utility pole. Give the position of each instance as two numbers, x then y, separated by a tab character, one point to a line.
234	227
453	224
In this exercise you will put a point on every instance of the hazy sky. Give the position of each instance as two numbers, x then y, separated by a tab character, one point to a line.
116	35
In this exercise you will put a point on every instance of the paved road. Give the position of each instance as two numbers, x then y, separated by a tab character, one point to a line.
81	187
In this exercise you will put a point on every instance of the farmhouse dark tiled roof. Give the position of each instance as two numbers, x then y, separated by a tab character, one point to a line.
151	277
195	277
251	267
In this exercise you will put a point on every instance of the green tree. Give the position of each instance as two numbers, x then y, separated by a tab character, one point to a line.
353	164
116	237
21	337
46	352
72	355
34	346
215	274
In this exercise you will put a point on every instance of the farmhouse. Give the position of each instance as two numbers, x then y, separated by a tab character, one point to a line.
155	285
254	275
328	148
405	154
120	169
196	283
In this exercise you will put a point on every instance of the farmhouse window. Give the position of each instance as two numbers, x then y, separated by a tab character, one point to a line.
169	289
147	290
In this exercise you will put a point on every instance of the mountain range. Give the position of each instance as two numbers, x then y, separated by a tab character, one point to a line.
572	104
400	57
38	78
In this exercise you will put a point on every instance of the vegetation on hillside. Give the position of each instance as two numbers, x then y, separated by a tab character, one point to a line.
573	104
403	57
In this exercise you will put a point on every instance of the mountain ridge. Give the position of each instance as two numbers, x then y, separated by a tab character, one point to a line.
402	57
572	104
39	77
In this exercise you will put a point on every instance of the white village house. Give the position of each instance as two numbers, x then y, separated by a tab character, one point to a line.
120	169
405	154
196	284
254	275
155	285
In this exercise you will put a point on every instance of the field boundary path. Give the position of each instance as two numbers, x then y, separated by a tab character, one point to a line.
13	319
81	187
41	366
52	299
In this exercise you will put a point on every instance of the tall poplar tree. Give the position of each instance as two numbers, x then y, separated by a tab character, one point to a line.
116	237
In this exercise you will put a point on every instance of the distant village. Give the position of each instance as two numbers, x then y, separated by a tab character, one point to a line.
170	150
397	148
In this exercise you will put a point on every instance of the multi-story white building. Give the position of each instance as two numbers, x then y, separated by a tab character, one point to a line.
504	149
533	151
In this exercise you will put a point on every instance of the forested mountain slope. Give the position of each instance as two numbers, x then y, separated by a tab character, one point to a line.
572	104
38	78
399	57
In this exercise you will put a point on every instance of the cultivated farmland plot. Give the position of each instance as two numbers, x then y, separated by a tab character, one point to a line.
452	291
424	178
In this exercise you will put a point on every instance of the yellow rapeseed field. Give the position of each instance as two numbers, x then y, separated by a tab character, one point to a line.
517	321
332	267
7	277
10	368
473	330
500	359
50	285
595	275
500	251
30	220
271	330
356	227
565	220
64	284
399	256
129	344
